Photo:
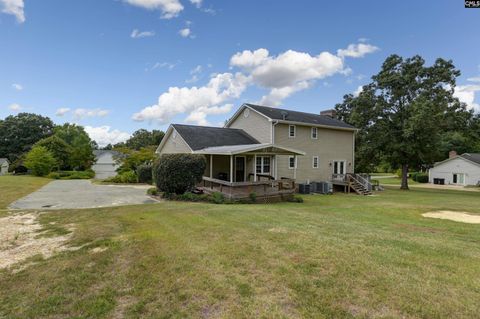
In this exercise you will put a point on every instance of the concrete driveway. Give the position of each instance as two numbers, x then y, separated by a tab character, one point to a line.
72	194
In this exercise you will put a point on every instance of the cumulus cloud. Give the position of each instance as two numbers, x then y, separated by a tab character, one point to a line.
15	107
169	8
13	7
62	111
197	3
80	113
466	94
17	86
197	102
105	135
357	50
141	34
185	32
358	91
287	73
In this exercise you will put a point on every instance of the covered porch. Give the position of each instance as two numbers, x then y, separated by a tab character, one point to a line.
240	170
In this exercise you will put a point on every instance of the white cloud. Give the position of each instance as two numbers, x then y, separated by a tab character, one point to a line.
287	73
161	65
358	91
474	79
169	8
466	94
141	34
104	135
14	7
62	111
15	107
194	73
80	113
197	102
17	86
197	3
186	32
357	50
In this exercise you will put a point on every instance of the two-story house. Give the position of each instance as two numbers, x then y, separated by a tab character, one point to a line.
262	143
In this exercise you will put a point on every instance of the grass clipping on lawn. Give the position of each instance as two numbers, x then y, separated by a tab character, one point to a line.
462	217
22	236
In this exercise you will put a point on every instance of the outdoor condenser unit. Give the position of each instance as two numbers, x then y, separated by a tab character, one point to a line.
304	188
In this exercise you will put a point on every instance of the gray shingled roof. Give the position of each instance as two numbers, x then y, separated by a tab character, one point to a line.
200	137
301	117
474	157
3	160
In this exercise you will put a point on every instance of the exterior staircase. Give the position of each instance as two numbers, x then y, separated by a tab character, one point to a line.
359	184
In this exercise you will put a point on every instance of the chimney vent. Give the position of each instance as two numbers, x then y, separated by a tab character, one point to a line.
452	154
332	113
284	115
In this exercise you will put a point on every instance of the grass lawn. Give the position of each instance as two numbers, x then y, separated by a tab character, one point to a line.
339	256
15	187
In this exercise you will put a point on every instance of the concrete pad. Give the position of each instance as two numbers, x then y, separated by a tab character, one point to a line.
73	194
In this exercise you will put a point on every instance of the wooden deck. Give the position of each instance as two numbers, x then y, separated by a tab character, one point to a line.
265	190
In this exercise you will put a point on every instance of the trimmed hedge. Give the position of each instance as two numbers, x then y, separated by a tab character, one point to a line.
88	174
128	177
421	178
145	174
178	173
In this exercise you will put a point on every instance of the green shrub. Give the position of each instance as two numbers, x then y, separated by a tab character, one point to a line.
413	176
152	191
295	199
144	173
178	173
40	161
128	177
217	198
88	174
253	197
422	178
54	175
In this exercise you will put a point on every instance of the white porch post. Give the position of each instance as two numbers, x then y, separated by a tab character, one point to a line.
231	168
295	166
255	167
211	166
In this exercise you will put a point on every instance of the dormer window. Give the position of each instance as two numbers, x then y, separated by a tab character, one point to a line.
314	133
291	131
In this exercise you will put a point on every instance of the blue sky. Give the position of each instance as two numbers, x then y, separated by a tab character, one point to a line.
115	66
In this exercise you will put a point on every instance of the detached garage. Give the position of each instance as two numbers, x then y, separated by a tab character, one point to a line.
457	170
105	163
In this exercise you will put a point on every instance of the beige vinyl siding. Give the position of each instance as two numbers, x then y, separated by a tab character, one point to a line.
175	144
255	124
329	146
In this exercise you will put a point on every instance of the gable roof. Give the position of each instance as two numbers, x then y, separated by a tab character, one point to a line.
284	115
200	137
4	160
472	157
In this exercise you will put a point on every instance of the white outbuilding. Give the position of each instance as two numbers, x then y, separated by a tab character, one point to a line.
4	163
457	170
105	163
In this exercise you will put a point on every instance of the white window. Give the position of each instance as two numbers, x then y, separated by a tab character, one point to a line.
263	165
292	162
291	130
315	162
339	167
314	133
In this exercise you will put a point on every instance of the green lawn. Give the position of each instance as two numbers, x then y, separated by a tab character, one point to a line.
339	256
15	187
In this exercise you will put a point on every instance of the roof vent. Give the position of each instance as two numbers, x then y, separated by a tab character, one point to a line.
284	114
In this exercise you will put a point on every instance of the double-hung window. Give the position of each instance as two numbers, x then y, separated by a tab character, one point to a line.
263	165
315	162
314	133
292	162
291	131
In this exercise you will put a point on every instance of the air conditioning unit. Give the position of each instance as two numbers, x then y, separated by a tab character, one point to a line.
323	187
304	188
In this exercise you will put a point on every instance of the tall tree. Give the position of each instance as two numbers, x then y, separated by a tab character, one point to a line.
59	149
404	111
143	138
18	133
82	152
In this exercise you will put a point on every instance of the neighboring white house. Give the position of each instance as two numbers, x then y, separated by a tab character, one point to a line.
105	165
457	170
4	163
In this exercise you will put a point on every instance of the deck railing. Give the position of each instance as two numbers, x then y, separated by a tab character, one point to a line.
240	190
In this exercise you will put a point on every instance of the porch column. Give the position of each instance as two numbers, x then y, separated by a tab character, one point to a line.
295	166
231	168
255	167
211	166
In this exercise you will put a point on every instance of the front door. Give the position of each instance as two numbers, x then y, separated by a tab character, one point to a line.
459	179
240	169
339	167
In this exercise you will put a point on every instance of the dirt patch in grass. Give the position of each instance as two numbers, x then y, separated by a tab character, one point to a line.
21	238
462	217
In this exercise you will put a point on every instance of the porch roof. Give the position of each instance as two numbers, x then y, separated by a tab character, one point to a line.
241	149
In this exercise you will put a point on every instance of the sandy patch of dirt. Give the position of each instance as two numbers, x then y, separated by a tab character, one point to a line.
20	238
462	217
98	250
